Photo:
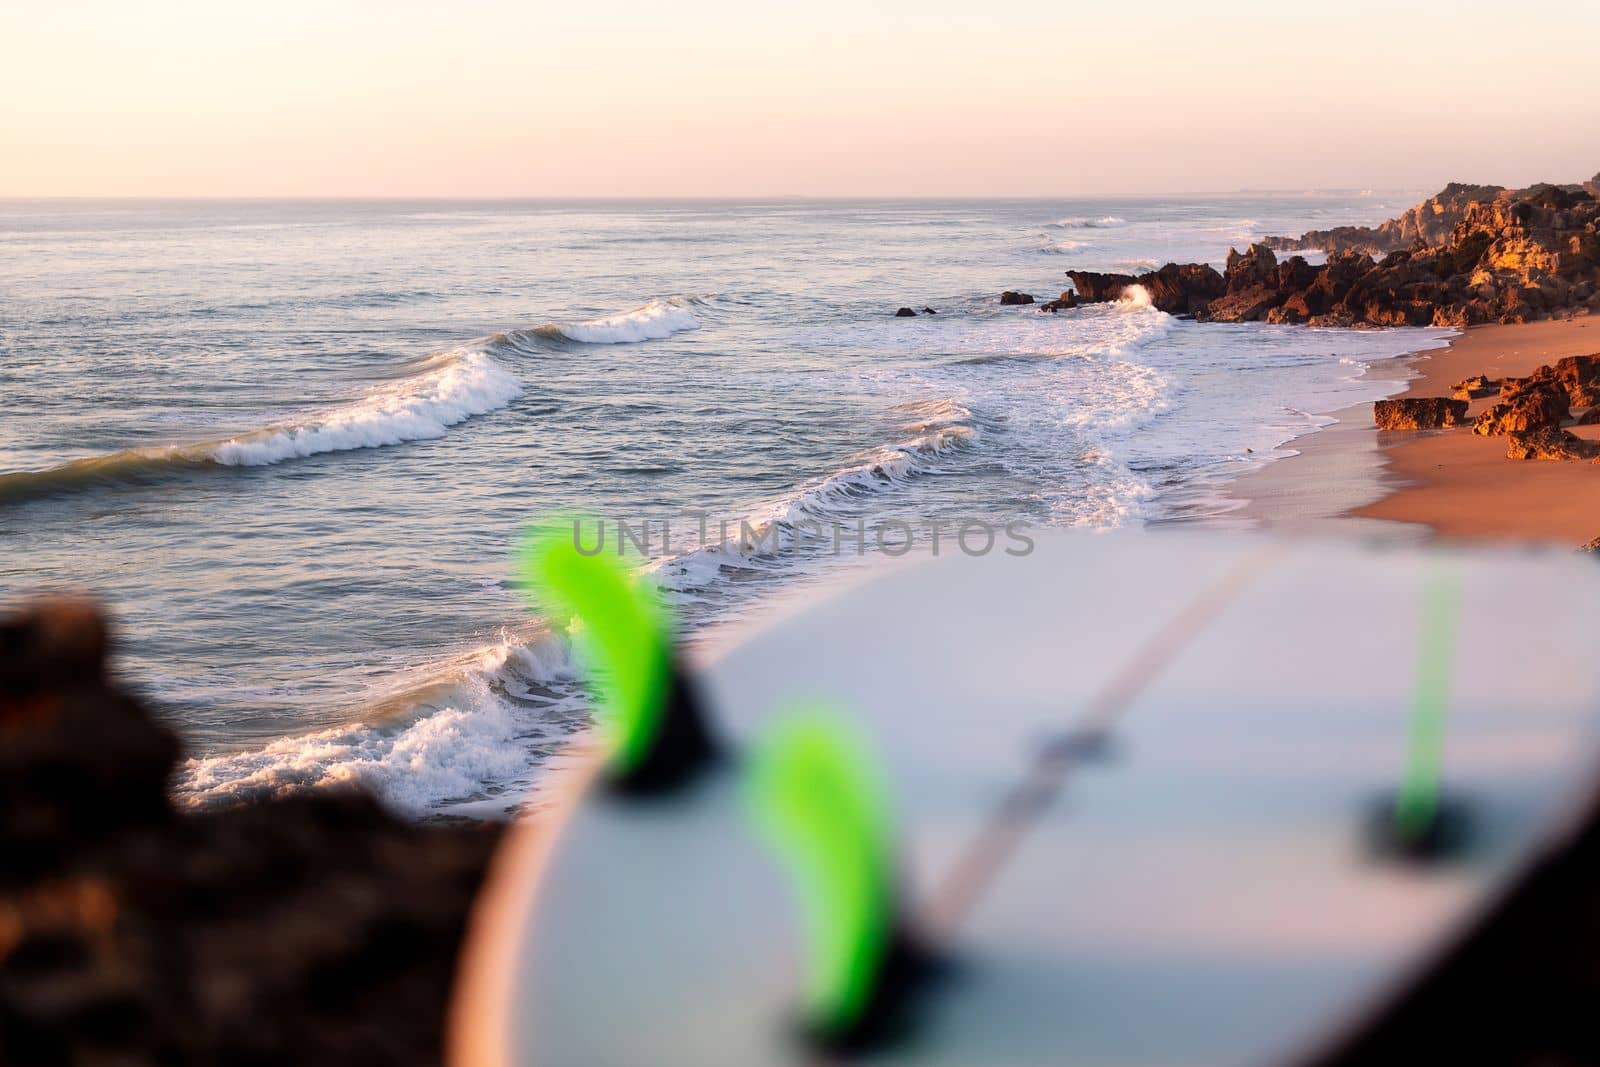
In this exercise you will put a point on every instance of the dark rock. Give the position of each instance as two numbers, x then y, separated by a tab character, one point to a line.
1255	268
1178	289
905	313
1095	288
312	929
1418	413
1245	305
1011	296
929	311
1182	288
1294	311
1296	274
1474	254
1066	302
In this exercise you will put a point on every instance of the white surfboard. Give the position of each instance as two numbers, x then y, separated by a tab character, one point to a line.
1201	891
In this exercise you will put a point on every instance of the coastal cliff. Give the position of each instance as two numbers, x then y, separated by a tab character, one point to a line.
1430	223
1506	257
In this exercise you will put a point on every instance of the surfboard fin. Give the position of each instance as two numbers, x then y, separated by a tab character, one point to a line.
1420	821
649	714
817	798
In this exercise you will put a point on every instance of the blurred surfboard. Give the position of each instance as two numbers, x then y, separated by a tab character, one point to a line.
1202	889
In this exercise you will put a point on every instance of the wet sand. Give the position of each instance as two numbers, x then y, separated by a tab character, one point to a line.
1451	483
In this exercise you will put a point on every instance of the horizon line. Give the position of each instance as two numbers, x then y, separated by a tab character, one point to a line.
697	198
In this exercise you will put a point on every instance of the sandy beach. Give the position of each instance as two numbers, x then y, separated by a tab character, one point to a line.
1445	482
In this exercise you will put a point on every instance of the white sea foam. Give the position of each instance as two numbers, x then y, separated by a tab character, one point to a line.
457	386
649	322
1103	222
1134	296
1059	247
938	428
470	727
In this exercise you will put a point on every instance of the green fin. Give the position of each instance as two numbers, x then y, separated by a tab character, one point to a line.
1417	803
625	634
818	799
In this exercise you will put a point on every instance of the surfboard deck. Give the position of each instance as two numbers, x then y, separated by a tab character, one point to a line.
1202	891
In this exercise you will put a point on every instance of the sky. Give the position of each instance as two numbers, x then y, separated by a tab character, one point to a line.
474	98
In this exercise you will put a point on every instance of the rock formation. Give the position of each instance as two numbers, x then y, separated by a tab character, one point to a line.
1419	413
1429	223
1512	256
319	929
1537	405
1546	442
1476	387
1011	296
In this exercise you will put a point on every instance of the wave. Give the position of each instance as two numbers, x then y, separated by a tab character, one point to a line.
466	728
648	322
1059	248
1103	222
939	427
452	387
462	385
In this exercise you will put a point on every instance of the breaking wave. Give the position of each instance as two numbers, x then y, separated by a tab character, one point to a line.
1052	247
451	388
459	386
1103	222
938	428
468	726
649	322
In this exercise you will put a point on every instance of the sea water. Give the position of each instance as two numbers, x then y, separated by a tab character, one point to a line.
291	443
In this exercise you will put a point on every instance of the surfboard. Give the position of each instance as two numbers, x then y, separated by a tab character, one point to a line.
1134	779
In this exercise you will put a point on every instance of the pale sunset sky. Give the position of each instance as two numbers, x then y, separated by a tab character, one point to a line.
474	98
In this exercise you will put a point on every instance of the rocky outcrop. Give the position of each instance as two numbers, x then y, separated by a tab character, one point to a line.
1537	405
1093	288
1066	302
1419	413
1011	296
1549	443
1177	289
1476	387
319	929
1429	223
1577	376
1182	289
1513	257
905	313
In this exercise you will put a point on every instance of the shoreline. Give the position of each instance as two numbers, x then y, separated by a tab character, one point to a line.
1416	485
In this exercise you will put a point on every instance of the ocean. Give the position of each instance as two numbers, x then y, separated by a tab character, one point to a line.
291	443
